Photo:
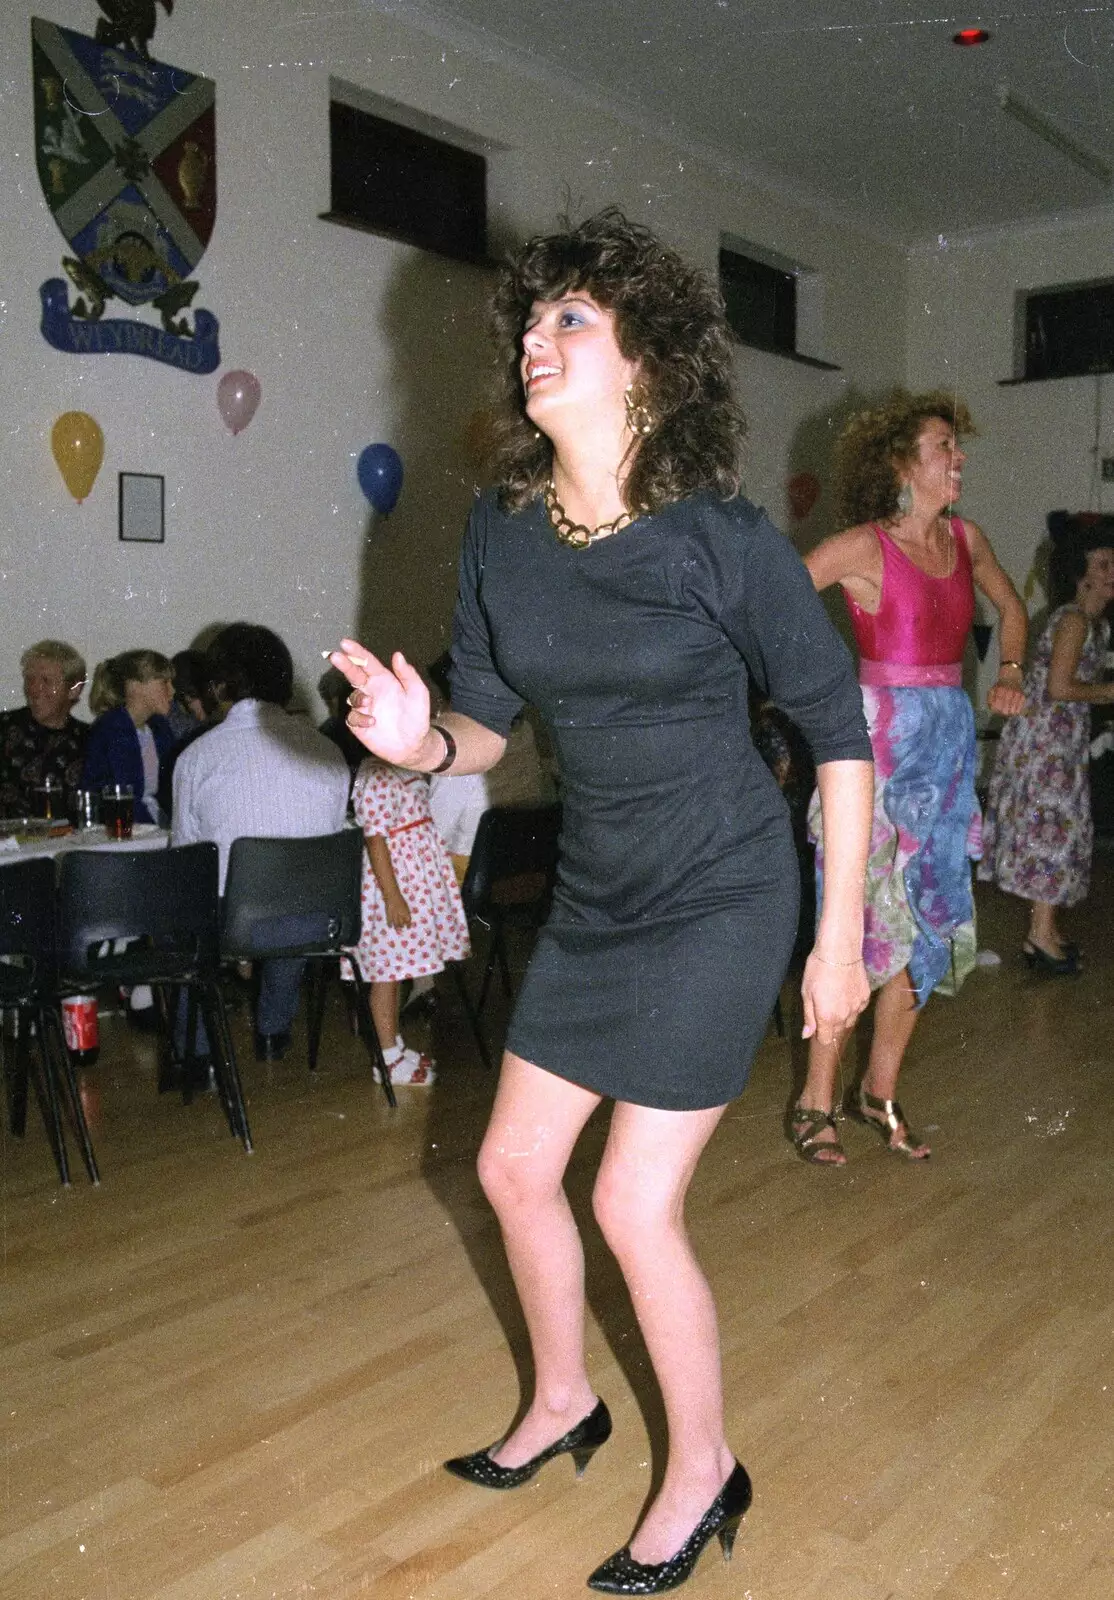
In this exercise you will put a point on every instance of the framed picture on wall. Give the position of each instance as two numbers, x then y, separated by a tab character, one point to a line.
142	496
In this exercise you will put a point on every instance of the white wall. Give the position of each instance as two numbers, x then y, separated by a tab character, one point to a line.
354	339
1035	450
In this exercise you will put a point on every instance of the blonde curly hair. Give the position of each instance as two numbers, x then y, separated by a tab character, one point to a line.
875	443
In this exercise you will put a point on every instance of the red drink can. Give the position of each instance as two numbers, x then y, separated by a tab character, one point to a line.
81	1028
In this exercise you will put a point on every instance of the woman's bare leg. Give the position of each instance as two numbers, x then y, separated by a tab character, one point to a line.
895	1017
639	1201
535	1122
1043	931
818	1094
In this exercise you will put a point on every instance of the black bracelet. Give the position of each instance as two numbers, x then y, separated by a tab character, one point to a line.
450	748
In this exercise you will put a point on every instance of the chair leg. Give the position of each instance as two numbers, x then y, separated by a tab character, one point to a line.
163	993
318	980
369	1035
189	1053
56	1060
471	1012
500	950
46	1092
489	971
16	1073
224	1060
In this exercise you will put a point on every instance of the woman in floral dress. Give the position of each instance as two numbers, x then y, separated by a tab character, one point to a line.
1037	833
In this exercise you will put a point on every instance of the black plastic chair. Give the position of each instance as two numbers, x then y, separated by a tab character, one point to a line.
509	883
164	903
28	987
286	898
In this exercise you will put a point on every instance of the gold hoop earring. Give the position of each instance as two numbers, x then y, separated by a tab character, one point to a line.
640	419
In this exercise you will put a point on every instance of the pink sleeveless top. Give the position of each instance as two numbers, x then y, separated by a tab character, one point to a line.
917	636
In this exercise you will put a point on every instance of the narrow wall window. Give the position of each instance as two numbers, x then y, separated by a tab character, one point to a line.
1065	332
761	302
772	303
399	181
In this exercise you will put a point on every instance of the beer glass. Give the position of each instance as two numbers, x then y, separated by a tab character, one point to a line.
117	810
49	799
84	810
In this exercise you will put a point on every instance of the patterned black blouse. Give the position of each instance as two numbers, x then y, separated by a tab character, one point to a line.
29	753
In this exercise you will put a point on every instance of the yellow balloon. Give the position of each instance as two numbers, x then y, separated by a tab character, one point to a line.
78	446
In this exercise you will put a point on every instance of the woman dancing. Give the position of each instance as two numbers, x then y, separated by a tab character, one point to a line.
1038	836
907	570
619	583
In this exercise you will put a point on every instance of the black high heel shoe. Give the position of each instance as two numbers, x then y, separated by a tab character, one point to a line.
580	1442
622	1574
1038	960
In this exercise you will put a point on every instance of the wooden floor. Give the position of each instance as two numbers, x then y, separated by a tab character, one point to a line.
229	1376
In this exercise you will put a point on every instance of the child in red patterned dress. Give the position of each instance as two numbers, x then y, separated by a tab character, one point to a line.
413	921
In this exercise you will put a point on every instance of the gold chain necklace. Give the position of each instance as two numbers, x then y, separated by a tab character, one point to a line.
575	534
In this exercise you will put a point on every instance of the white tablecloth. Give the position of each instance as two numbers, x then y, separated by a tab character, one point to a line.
145	837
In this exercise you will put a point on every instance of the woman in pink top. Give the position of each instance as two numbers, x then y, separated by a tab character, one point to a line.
908	570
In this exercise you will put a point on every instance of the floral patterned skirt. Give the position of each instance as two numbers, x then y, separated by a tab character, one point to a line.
1038	835
919	907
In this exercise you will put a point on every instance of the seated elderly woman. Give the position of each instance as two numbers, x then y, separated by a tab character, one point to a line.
131	737
42	740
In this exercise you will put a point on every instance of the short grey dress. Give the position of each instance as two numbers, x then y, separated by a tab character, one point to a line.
676	902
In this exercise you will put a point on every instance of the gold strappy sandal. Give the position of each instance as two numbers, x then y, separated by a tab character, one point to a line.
888	1117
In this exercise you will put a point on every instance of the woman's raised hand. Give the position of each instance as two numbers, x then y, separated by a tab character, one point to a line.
389	705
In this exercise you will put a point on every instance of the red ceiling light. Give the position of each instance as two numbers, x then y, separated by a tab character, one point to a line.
967	37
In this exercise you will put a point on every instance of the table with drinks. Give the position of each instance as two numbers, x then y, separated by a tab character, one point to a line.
78	819
111	806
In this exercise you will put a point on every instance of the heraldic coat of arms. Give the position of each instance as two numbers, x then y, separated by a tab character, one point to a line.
126	152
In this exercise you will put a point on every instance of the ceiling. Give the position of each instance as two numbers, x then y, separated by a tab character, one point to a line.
859	107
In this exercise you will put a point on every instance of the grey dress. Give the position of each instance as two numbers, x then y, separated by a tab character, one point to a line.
676	903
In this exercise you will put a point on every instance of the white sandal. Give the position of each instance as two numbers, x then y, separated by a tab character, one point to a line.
408	1066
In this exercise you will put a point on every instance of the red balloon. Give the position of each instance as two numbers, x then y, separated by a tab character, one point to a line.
238	396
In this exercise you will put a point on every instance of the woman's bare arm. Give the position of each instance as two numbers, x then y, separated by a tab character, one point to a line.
835	988
1005	696
853	560
1067	647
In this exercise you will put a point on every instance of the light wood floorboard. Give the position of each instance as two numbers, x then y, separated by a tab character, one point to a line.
232	1376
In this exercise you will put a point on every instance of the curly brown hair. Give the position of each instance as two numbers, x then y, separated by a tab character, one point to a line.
875	443
668	318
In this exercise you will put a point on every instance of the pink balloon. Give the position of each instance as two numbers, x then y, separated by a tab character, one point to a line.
238	396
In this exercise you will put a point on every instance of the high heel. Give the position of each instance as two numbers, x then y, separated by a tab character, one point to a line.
622	1574
1039	960
580	1442
889	1119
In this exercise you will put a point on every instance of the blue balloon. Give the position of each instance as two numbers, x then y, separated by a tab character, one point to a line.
379	470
